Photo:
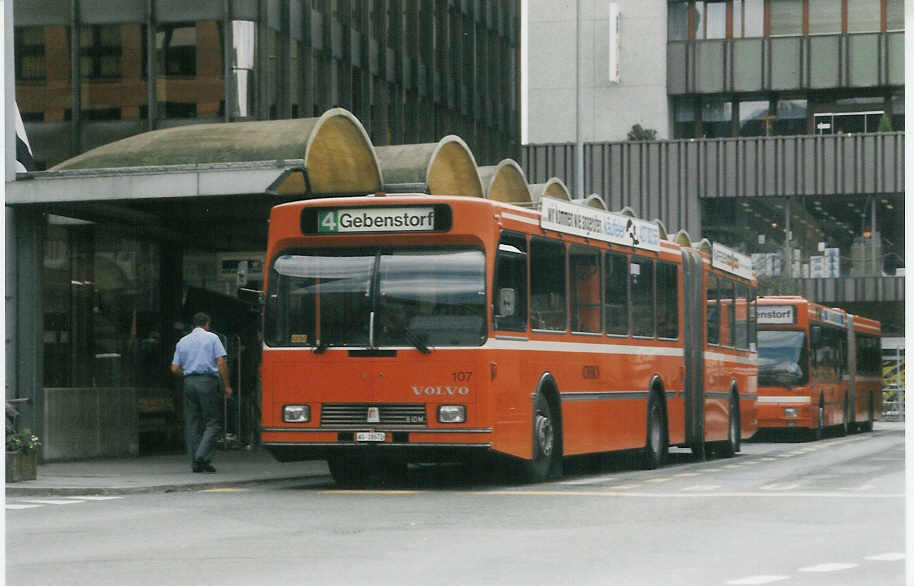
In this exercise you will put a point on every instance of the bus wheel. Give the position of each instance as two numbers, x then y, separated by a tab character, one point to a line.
654	451
731	446
544	441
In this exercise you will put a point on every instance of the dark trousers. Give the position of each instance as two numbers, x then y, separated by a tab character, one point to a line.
202	415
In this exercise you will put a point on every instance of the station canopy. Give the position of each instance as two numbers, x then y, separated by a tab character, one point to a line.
446	167
337	154
505	182
553	187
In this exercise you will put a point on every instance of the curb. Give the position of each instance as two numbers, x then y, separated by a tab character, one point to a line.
36	491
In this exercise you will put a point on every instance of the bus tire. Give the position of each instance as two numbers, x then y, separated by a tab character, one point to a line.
655	446
731	446
544	441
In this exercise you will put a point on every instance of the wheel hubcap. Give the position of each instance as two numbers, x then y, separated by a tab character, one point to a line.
544	434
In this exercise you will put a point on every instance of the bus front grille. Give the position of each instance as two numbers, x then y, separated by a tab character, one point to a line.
372	414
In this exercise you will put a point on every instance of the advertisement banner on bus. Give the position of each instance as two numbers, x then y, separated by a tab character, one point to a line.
727	259
598	224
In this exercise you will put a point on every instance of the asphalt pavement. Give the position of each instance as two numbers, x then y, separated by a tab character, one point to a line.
163	473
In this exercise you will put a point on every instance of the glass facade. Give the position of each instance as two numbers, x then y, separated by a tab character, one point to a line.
411	72
811	237
102	309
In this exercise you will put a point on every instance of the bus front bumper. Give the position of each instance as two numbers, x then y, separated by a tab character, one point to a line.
288	445
778	411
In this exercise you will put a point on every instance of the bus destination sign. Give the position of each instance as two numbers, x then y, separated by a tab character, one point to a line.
376	219
779	315
598	224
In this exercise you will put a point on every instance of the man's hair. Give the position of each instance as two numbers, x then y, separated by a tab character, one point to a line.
200	319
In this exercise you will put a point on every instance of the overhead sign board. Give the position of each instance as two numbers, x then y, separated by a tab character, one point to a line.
834	317
589	222
727	259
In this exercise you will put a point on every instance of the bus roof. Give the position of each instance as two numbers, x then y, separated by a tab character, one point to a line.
567	217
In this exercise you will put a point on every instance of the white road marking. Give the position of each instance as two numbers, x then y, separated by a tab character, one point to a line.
779	486
829	567
659	480
685	474
51	502
624	486
885	557
595	480
759	579
94	498
702	487
16	507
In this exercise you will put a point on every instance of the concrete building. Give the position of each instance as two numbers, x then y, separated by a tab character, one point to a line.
778	130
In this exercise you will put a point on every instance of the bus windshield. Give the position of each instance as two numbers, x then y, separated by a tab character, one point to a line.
782	358
376	297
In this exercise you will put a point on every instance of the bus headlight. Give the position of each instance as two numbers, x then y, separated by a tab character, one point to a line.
296	413
790	411
452	414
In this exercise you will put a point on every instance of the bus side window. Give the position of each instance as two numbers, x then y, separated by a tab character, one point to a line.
584	263
728	312
741	308
547	285
641	273
667	300
510	295
615	293
713	310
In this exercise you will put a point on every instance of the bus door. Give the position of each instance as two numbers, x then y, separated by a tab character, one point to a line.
693	345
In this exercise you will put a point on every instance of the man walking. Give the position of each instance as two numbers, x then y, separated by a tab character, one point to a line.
200	357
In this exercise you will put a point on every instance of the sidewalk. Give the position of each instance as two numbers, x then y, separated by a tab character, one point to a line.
163	473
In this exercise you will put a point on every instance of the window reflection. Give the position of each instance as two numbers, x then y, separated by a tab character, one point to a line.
825	16
716	117
754	119
102	320
113	54
791	117
785	17
244	42
190	72
716	24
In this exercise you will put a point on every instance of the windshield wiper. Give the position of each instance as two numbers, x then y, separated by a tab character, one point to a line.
417	341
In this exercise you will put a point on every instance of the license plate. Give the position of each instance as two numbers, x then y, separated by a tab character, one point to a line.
370	436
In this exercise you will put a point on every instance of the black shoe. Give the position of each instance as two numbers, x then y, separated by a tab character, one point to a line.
206	466
196	466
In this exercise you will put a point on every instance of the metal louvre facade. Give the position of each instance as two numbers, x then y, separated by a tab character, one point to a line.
665	179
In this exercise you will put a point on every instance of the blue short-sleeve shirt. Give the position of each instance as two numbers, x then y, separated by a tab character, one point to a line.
197	352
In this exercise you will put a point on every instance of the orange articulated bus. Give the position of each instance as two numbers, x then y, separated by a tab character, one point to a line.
818	367
421	328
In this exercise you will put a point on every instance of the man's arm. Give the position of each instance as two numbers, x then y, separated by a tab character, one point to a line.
223	370
175	369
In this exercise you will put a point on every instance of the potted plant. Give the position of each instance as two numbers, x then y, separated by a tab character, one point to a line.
21	449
